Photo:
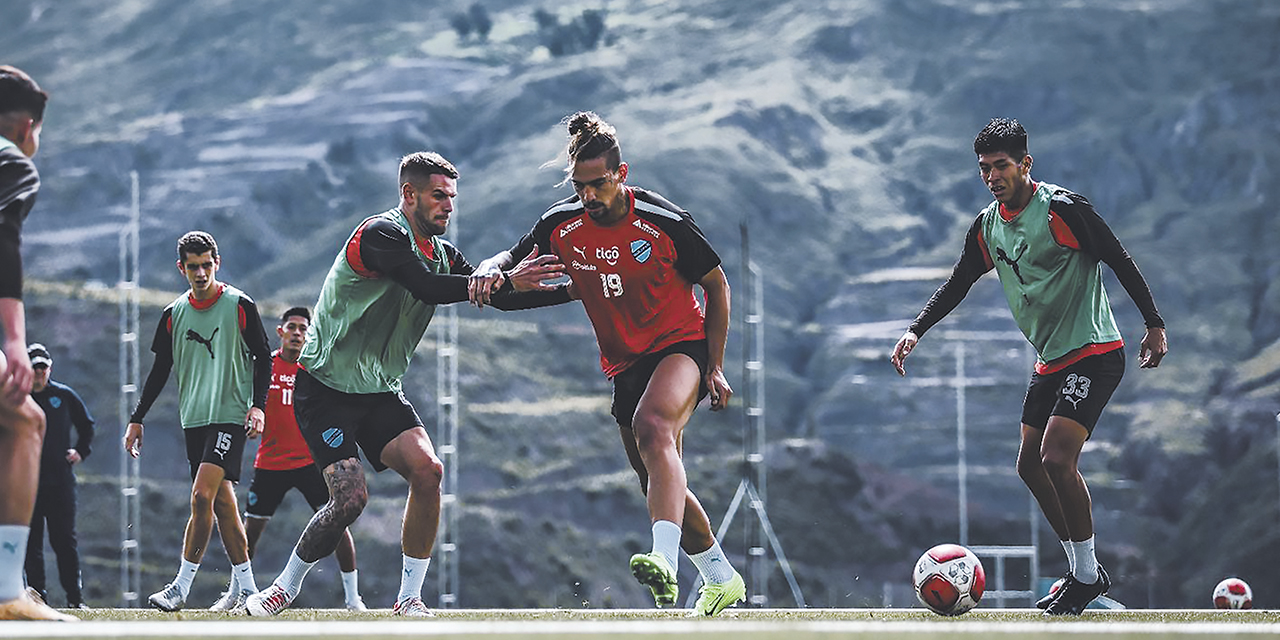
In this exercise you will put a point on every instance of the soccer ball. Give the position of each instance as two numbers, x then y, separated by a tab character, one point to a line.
949	579
1233	593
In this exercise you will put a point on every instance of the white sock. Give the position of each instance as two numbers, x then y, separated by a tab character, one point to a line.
186	574
1071	555
713	565
415	571
294	571
13	553
666	541
1086	570
242	577
350	586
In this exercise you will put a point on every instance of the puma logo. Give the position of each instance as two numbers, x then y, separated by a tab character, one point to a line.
208	343
1013	264
11	547
580	252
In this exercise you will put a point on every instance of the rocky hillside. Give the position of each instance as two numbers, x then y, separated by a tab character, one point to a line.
837	132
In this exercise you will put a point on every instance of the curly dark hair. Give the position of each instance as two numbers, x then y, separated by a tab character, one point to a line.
1002	134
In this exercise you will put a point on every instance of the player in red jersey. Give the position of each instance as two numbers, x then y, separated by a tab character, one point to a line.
284	462
633	259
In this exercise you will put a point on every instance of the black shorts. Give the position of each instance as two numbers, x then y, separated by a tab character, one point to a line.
220	444
1079	391
267	490
333	423
629	385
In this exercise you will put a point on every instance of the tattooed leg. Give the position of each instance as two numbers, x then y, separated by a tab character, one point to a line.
348	494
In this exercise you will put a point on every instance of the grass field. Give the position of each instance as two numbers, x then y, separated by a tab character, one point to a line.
636	624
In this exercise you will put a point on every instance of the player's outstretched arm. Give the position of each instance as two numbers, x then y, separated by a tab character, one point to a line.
488	278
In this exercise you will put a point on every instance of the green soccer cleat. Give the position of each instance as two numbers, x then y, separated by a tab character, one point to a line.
713	598
653	571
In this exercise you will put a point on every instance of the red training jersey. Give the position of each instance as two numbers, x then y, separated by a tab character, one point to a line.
635	276
282	447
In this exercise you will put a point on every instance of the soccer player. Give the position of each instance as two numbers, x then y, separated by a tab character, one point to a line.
56	498
1045	243
284	462
213	335
22	105
374	307
634	258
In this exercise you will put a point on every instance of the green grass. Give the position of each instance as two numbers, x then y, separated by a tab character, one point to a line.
745	615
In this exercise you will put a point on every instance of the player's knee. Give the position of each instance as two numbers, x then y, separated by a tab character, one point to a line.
202	501
348	505
29	425
426	474
1030	468
1058	464
653	434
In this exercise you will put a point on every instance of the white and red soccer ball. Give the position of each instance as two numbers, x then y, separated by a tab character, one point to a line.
949	579
1233	593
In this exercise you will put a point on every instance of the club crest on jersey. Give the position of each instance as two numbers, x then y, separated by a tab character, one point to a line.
55	402
643	226
569	228
641	250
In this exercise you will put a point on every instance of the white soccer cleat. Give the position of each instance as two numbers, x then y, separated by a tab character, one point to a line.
169	598
412	608
269	601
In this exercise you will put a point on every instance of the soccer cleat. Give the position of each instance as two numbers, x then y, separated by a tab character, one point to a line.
356	605
1074	595
25	608
232	600
269	601
653	571
713	598
412	608
169	598
1054	590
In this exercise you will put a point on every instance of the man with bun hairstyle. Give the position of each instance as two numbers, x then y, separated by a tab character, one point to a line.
633	258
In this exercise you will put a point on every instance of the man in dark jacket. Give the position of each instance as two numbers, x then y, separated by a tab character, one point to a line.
56	496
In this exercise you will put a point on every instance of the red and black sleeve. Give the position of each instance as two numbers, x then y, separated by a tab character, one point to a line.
255	338
1089	233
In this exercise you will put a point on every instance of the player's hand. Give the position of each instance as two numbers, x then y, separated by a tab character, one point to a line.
485	280
133	439
73	456
535	272
254	422
1154	347
718	388
903	349
15	382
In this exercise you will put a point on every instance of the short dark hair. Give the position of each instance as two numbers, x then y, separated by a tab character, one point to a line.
20	94
195	243
417	168
590	137
301	312
1002	134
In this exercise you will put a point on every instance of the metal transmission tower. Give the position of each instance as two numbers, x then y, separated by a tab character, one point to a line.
446	550
130	498
760	538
